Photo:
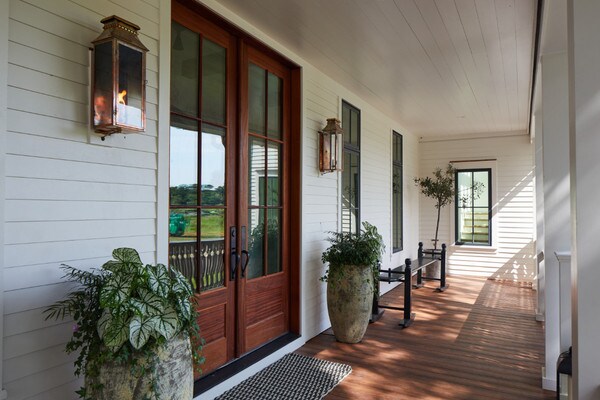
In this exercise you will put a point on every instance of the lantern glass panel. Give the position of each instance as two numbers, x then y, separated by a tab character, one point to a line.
131	88
103	86
326	151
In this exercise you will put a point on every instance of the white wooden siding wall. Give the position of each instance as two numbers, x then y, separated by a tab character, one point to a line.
321	202
70	198
512	257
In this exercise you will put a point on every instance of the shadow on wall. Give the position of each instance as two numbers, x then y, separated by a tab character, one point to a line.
502	264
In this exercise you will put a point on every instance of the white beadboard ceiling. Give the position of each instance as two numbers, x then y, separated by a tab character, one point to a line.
439	67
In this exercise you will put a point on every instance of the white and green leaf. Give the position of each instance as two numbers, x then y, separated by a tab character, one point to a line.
140	331
103	322
181	284
167	324
115	332
148	304
116	291
185	308
126	255
159	279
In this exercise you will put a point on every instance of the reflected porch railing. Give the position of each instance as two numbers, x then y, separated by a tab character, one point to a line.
183	256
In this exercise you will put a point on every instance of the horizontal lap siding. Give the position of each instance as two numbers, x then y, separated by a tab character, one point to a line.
321	202
70	198
512	257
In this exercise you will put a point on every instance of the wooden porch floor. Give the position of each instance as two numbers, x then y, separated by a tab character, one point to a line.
477	340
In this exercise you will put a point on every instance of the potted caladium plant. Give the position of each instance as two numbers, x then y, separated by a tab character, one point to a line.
133	326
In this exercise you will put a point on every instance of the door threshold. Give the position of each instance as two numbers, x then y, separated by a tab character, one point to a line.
225	372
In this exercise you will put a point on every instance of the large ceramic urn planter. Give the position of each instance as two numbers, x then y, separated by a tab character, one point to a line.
349	301
174	375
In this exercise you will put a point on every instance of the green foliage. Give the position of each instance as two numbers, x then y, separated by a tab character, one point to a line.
123	310
440	187
347	248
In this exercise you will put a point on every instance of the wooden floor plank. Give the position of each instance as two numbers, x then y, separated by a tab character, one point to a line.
477	340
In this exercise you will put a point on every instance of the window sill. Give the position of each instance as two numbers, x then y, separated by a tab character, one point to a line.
473	248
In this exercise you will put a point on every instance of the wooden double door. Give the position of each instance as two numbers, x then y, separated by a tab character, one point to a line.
229	162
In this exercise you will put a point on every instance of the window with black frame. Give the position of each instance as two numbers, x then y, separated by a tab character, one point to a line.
351	172
397	192
473	207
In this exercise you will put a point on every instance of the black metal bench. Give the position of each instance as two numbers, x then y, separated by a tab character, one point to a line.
404	274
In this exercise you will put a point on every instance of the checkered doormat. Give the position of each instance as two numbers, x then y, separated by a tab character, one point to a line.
294	377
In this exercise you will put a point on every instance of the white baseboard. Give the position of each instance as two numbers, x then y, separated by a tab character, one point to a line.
540	317
248	372
549	384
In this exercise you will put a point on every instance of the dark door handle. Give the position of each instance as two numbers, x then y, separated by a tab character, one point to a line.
245	264
234	259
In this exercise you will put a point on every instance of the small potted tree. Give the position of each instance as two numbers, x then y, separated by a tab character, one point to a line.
441	189
351	280
133	324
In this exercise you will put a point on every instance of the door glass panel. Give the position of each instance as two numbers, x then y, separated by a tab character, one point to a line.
212	249
273	241
354	127
183	225
255	243
464	225
480	189
214	70
274	110
273	174
464	189
256	171
213	166
256	99
350	205
346	123
185	46
183	162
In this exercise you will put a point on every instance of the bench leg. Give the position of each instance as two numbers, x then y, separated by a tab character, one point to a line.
419	283
443	285
408	315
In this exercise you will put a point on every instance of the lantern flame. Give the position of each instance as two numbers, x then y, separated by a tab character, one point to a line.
121	97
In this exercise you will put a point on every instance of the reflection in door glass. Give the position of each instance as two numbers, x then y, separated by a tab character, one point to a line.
256	99
184	70
214	70
273	185
212	249
274	110
213	166
273	241
183	228
183	162
256	171
256	237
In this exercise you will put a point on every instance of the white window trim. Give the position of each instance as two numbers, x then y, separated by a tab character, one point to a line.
493	165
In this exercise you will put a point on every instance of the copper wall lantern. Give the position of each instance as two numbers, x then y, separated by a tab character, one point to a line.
330	147
119	78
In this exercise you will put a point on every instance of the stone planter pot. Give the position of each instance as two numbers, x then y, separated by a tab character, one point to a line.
349	301
174	375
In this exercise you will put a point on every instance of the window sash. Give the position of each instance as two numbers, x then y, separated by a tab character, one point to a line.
397	194
473	221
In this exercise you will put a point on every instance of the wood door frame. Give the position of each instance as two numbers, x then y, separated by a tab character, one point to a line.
196	13
217	34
